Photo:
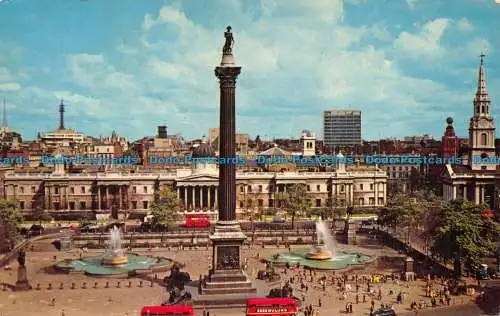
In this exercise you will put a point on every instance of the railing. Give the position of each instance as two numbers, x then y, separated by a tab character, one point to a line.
24	244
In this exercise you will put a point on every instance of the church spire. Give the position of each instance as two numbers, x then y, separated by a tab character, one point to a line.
482	100
4	118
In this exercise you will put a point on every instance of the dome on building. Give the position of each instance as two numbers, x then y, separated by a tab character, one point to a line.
307	133
203	151
449	120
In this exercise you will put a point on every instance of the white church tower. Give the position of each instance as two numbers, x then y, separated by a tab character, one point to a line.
482	126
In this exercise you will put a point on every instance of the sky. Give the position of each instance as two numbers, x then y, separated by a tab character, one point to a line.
130	65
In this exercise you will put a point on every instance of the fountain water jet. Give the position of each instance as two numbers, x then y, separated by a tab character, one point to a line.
115	255
325	248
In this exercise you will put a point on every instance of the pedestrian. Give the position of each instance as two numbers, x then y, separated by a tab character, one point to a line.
53	302
63	313
319	302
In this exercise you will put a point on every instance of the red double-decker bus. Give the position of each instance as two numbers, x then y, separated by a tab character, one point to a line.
272	307
187	310
197	220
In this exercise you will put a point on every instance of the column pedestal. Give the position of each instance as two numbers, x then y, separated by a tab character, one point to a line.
226	275
22	283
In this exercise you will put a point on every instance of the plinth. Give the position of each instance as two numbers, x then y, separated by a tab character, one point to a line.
227	276
22	283
350	232
409	273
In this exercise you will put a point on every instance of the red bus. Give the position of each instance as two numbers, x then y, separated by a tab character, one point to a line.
272	307
197	220
177	310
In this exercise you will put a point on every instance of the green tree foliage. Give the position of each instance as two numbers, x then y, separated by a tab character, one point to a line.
41	215
164	207
294	201
402	210
461	233
10	219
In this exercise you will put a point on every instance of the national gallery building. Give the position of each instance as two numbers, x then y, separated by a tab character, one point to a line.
362	187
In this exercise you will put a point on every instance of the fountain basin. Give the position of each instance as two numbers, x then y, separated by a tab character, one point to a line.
115	261
94	266
340	261
319	253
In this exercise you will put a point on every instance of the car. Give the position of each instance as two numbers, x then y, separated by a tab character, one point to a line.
90	228
35	230
279	220
119	225
384	312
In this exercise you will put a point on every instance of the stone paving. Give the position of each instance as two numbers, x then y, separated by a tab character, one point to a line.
128	301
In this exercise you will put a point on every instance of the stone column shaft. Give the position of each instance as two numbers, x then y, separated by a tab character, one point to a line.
227	139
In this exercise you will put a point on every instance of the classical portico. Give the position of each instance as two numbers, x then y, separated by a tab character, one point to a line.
197	193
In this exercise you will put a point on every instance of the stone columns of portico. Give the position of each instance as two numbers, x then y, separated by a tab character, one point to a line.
216	194
464	190
476	195
482	192
98	197
107	198
454	197
193	196
209	202
351	194
375	185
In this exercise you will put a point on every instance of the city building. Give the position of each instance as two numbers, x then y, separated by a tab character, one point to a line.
308	143
59	192
62	137
241	141
341	128
476	179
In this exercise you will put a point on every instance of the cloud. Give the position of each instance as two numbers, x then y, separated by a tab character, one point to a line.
12	86
411	4
426	43
298	57
464	25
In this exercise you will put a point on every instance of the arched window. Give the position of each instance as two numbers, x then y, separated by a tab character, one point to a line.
483	139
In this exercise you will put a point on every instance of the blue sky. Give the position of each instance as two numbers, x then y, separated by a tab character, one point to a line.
130	65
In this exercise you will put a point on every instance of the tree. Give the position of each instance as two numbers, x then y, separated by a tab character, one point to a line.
402	210
10	220
332	207
298	204
41	215
164	207
461	233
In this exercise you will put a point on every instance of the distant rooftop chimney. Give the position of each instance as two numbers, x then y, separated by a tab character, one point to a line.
162	131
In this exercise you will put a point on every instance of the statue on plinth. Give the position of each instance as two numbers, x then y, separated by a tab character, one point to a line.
175	284
22	283
21	258
228	45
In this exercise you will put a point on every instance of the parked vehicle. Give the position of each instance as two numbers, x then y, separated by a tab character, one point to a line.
384	312
35	230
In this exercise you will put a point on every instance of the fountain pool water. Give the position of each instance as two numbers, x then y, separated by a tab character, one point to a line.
114	261
322	256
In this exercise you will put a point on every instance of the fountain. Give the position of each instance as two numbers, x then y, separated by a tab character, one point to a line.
322	256
325	248
115	261
115	254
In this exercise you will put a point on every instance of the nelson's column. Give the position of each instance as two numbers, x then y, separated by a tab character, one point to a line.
226	275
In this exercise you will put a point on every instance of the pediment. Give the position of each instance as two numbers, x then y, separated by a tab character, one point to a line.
199	178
